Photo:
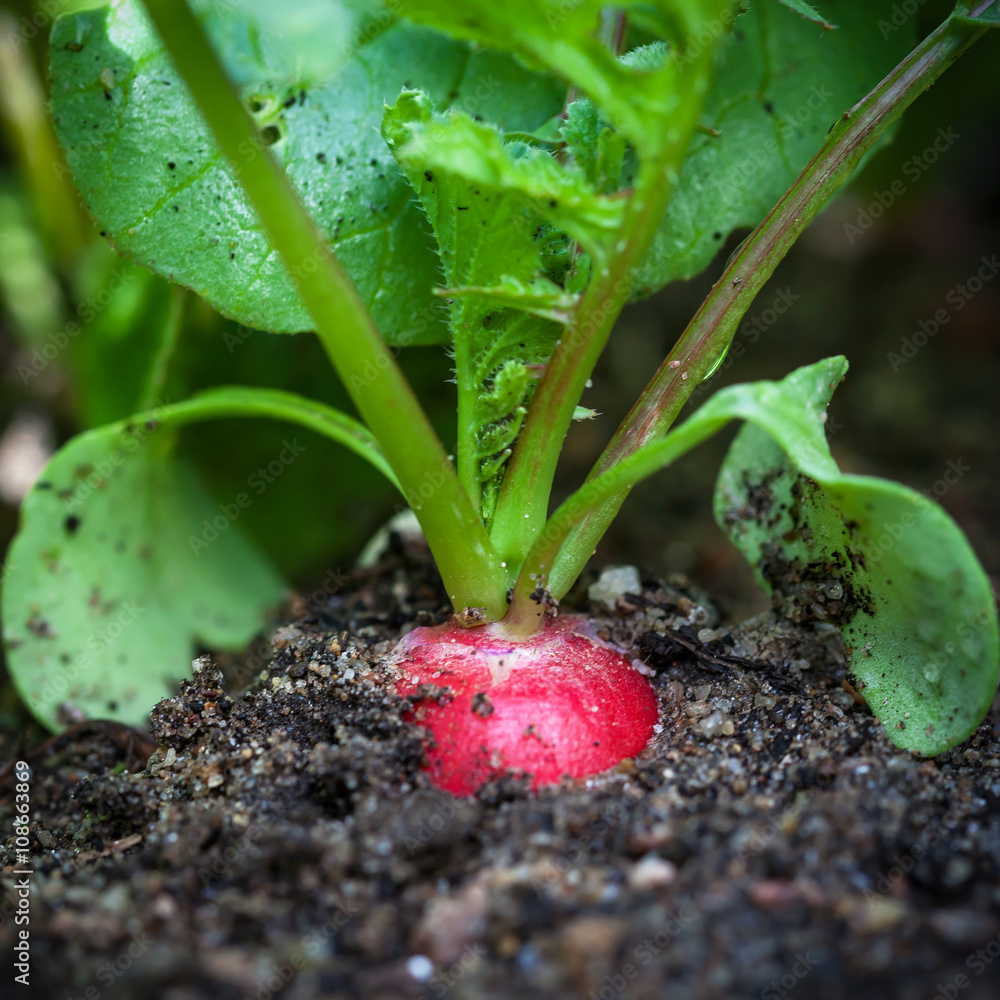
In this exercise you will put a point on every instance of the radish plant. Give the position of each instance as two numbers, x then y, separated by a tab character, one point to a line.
502	179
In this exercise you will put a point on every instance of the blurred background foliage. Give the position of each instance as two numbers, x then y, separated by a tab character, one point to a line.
858	294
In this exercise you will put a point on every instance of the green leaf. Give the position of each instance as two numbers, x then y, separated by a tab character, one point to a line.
594	146
538	296
884	563
779	85
124	565
473	155
809	12
496	209
564	38
294	43
105	601
152	177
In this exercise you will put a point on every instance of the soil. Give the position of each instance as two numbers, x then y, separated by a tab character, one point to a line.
770	841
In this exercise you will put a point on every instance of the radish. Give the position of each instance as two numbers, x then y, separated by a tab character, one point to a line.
561	702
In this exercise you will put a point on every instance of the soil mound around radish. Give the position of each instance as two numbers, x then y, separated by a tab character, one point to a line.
288	842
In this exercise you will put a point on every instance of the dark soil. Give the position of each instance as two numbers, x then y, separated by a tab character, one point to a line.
771	842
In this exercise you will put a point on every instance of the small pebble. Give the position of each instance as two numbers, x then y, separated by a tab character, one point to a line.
420	967
878	915
715	725
963	928
771	894
613	582
651	872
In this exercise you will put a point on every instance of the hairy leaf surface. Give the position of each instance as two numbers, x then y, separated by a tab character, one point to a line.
501	213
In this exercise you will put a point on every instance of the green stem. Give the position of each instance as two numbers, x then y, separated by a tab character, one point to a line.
453	529
523	504
275	404
168	335
710	332
525	613
468	390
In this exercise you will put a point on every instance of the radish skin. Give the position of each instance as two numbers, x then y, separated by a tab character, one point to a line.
560	703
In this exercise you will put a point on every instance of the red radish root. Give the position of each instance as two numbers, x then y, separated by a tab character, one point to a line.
560	703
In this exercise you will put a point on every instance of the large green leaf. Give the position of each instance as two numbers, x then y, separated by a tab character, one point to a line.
152	177
123	564
884	563
780	82
881	561
105	600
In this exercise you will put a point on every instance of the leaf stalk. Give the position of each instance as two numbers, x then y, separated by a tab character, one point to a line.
523	505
